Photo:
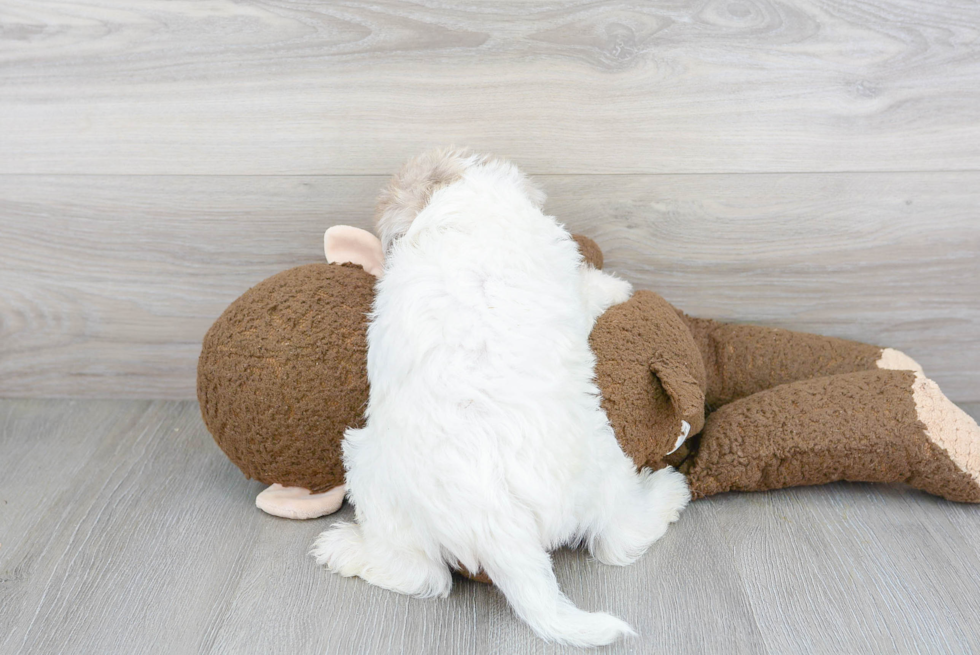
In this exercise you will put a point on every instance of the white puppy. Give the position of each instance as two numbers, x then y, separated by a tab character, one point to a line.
484	443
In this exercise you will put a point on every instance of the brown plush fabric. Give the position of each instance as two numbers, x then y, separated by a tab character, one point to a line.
651	376
857	426
590	250
282	374
741	360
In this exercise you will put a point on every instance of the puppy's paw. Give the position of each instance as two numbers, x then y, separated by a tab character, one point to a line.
668	492
642	518
602	290
340	549
615	290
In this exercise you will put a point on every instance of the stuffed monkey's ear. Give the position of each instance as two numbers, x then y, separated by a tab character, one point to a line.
685	393
590	250
343	243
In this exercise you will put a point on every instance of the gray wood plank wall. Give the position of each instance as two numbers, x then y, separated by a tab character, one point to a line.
802	164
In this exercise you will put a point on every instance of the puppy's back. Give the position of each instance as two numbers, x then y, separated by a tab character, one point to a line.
482	402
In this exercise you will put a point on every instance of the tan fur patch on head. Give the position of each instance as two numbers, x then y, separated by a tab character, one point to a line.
411	188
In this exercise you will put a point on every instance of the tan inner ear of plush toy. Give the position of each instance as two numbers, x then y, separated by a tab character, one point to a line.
948	426
345	244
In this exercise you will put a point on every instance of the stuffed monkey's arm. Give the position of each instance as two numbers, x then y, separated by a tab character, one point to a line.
870	426
741	360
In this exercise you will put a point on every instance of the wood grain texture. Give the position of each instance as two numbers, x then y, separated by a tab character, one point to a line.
305	87
123	529
108	284
888	259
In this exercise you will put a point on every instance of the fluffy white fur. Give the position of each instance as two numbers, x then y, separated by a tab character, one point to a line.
485	443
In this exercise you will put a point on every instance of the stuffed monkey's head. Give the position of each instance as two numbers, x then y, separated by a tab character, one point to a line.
282	374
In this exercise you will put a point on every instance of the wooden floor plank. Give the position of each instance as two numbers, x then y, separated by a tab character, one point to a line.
108	284
303	87
855	568
132	557
147	540
46	452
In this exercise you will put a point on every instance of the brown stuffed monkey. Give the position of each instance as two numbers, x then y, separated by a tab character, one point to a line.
282	374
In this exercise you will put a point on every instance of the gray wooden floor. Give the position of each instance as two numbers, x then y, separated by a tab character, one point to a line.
123	529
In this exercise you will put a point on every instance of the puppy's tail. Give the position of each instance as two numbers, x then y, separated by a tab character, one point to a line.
522	570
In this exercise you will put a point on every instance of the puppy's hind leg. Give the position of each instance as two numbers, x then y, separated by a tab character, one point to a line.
348	550
521	568
636	514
